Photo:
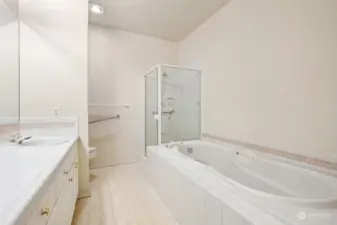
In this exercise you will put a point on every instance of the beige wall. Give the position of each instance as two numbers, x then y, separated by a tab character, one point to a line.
269	72
118	61
54	65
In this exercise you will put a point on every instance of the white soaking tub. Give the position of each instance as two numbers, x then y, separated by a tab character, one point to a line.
251	187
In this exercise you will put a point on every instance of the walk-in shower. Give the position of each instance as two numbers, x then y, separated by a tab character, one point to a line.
172	105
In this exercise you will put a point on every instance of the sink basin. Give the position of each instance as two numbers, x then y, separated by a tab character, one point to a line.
44	141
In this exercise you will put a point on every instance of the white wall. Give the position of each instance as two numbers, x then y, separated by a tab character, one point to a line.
9	63
118	61
269	72
54	65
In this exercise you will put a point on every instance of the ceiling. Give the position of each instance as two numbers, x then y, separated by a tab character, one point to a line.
167	19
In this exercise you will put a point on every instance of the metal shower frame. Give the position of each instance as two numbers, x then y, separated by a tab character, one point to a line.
159	103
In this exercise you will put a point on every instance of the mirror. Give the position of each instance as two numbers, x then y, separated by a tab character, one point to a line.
9	62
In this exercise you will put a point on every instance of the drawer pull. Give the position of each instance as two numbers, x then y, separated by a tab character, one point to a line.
65	172
70	179
75	165
45	212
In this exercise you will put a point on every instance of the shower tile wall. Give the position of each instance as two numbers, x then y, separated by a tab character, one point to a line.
181	93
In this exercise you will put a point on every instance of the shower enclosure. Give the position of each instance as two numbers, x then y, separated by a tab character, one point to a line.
172	105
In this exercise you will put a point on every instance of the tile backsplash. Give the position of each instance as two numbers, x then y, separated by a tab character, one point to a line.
292	156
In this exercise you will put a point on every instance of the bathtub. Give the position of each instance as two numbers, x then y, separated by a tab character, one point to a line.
228	184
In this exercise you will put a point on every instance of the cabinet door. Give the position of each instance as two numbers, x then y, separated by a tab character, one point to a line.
65	205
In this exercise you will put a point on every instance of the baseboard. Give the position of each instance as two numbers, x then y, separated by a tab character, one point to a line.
84	194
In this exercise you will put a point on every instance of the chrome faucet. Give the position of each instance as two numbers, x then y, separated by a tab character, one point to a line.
18	139
170	112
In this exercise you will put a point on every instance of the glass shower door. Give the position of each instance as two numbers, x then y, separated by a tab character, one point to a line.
151	108
180	104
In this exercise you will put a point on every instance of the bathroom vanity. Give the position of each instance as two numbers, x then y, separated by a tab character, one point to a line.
38	178
41	187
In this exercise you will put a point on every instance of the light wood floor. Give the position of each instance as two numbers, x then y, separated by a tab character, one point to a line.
121	196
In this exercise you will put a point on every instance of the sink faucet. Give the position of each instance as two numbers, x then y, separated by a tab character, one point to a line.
18	139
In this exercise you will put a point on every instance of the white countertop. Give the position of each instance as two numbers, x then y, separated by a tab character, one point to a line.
24	172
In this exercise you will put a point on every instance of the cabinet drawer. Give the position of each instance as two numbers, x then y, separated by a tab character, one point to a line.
42	212
65	205
64	173
70	161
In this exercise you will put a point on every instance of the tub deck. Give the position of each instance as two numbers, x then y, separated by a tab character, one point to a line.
214	183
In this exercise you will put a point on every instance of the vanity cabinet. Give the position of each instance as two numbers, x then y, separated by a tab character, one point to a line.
58	204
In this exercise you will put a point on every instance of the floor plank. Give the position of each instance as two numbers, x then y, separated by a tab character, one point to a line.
121	196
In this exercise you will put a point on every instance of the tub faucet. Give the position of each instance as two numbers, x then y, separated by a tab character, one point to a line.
173	144
170	145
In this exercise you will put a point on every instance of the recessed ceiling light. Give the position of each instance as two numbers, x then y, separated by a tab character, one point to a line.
97	9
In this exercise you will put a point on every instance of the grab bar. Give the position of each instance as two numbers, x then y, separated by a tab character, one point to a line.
105	119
